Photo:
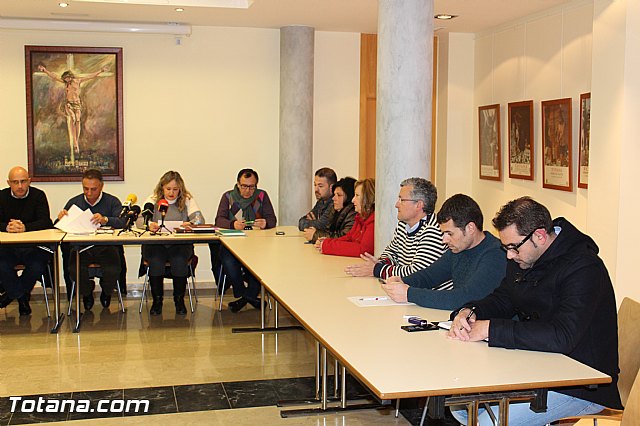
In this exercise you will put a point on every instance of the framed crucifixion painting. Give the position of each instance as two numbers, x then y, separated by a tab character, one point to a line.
74	112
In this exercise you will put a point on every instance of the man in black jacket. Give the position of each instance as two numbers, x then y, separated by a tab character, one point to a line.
556	297
22	208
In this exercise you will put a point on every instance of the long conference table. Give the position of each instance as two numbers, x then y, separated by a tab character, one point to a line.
367	341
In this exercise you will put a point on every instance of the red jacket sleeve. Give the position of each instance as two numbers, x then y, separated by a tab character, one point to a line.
349	245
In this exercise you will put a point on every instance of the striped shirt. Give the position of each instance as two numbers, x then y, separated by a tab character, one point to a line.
411	252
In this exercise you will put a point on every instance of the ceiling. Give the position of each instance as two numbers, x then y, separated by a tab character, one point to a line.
324	15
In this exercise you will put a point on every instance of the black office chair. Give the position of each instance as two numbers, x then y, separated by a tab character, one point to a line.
192	262
95	271
19	268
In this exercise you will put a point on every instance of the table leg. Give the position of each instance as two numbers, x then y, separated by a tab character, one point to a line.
263	327
323	400
343	387
322	394
317	371
56	291
504	411
76	329
262	306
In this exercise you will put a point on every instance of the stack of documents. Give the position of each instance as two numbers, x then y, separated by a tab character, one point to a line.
77	221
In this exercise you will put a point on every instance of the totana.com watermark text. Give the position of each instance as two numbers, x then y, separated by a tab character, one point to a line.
45	405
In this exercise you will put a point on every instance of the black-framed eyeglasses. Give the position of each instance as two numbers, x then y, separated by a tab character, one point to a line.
514	247
247	187
407	199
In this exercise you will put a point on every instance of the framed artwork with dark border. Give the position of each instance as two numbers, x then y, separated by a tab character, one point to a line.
521	142
74	112
585	139
489	137
556	144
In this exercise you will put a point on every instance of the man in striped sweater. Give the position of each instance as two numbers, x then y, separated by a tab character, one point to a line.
417	241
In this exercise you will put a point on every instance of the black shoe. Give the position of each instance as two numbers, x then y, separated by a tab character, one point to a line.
105	299
181	309
156	306
88	302
256	303
237	305
23	305
5	300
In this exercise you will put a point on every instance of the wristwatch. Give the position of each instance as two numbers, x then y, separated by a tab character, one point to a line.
106	220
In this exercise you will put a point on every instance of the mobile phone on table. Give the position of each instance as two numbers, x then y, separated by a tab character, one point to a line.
414	328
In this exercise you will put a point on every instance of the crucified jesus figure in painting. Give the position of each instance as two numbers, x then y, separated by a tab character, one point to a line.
73	103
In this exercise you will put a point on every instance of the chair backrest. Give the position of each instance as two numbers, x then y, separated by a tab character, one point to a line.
628	345
631	415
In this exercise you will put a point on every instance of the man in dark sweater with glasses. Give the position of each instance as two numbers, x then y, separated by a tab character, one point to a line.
22	208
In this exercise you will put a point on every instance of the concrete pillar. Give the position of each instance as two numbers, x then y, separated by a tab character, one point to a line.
296	123
403	127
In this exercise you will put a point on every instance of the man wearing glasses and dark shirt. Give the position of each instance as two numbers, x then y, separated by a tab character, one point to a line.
22	209
556	297
244	207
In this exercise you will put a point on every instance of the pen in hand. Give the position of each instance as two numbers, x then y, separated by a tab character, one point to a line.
471	312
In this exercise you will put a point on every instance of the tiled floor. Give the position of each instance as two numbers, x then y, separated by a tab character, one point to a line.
193	369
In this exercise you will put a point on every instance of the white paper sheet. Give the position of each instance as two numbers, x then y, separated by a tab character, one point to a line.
368	301
77	221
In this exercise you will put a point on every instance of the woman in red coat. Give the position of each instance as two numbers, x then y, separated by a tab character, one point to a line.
360	239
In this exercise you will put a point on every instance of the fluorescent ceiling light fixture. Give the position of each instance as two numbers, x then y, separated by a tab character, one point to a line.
63	4
232	4
94	26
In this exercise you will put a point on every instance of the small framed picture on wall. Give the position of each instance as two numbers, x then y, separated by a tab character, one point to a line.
585	139
556	144
521	140
489	135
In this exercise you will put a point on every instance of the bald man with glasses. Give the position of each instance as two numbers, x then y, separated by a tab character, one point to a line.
22	209
556	297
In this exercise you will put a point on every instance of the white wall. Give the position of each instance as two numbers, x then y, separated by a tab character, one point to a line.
336	105
206	108
583	46
613	197
543	57
455	114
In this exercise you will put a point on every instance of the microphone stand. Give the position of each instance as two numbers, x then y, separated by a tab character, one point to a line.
128	227
159	231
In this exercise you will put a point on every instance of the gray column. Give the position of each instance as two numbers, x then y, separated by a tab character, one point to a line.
403	127
296	123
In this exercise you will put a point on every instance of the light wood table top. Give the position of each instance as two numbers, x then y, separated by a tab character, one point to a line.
32	237
131	238
369	342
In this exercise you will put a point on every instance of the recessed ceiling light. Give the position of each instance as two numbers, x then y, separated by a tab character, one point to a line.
179	9
445	16
63	4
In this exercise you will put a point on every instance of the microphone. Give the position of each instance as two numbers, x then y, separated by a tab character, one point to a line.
132	215
131	199
147	214
163	206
